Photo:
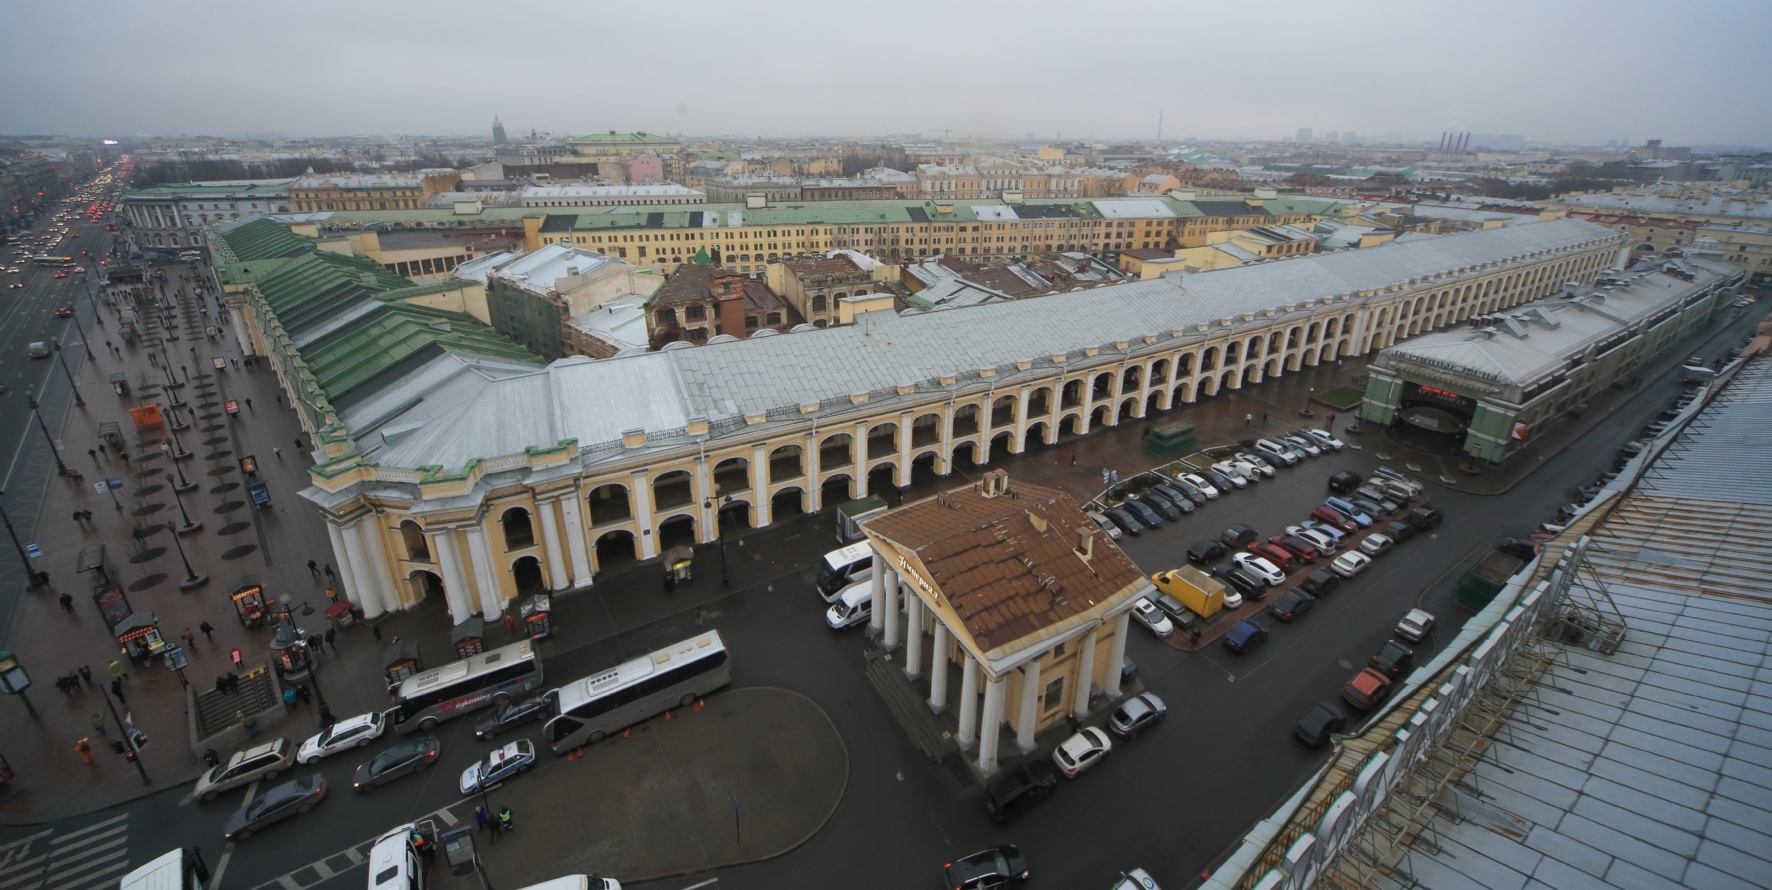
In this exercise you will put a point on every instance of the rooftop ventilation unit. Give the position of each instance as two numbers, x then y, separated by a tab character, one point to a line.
1513	326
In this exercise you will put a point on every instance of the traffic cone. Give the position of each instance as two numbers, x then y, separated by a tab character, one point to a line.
624	733
699	703
667	715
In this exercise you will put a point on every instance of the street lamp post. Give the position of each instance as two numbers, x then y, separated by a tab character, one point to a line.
64	363
60	467
189	526
177	452
83	339
23	557
182	485
135	753
192	578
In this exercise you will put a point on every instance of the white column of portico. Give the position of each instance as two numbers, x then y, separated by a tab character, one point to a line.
455	581
904	449
642	494
968	701
348	562
984	428
1021	419
913	637
990	734
480	554
760	505
944	462
550	537
877	596
938	668
355	569
813	491
374	571
1030	703
575	540
858	472
704	496
1110	682
889	638
1085	675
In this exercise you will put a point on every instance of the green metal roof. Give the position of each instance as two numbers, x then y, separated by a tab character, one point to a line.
641	137
395	334
261	238
257	188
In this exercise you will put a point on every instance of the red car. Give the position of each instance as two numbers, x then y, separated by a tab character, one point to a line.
73	234
80	269
1275	554
64	312
1300	549
61	273
1334	519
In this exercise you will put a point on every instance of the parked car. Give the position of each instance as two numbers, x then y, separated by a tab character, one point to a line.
1346	508
1261	464
1176	501
1191	490
1325	543
1291	604
1395	490
403	758
1125	520
1334	519
1238	581
1178	614
1350	564
1414	487
262	762
1319	723
1251	470
503	763
514	712
1245	636
1376	544
1260	568
1270	449
1518	549
1152	617
1205	552
1081	751
1136	714
1374	508
1157	505
1424	518
355	732
1224	471
1344	481
988	869
1105	524
1238	535
1324	439
1381	498
277	803
1394	658
1367	689
1199	482
1143	514
1274	553
1416	625
1018	790
1301	549
1399	532
1321	582
1303	444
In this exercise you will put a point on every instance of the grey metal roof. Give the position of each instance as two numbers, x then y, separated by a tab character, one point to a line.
1651	767
595	401
1710	205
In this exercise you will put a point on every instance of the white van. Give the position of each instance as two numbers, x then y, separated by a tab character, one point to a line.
577	882
843	566
854	606
172	871
394	864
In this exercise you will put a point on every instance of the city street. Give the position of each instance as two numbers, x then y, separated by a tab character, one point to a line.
1170	801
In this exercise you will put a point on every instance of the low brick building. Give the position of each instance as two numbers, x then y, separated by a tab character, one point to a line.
700	302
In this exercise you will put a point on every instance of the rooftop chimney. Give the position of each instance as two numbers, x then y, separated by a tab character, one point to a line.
1086	541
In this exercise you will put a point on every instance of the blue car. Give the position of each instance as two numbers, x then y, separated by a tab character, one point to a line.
1346	508
1245	636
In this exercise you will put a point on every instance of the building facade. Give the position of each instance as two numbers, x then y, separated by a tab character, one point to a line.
391	191
655	195
701	302
175	214
620	460
815	287
1746	247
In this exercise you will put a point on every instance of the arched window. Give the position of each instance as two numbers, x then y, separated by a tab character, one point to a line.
519	531
818	303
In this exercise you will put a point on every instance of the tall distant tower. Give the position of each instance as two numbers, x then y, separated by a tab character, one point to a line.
498	131
1303	135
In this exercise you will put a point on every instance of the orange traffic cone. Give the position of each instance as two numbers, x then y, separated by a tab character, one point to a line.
667	715
624	733
699	703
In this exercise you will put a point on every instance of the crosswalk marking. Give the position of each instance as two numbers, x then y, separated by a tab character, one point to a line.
357	854
85	863
355	857
8	847
90	857
323	870
64	838
26	872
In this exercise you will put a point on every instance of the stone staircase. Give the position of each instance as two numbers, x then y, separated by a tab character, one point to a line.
215	710
908	707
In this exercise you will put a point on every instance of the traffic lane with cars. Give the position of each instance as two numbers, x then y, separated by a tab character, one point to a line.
26	318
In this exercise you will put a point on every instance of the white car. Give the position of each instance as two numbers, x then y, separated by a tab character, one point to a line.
1081	751
1233	598
1350	564
1229	472
1261	568
1250	469
1305	445
1316	536
1261	464
1415	626
501	764
1136	879
1106	525
353	733
1335	534
1326	438
1197	481
1376	544
1152	617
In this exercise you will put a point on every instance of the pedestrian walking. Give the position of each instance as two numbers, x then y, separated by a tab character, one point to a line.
88	515
236	364
480	818
1264	418
313	568
329	574
303	695
289	699
207	629
86	674
1073	460
101	449
125	455
331	635
248	721
504	819
93	453
62	684
376	630
278	452
1248	420
98	724
67	601
249	406
510	621
78	518
117	690
117	670
212	757
189	638
84	748
298	445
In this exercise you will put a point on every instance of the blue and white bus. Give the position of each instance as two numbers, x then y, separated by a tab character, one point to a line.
423	700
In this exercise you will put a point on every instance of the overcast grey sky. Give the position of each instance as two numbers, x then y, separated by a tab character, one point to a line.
1691	72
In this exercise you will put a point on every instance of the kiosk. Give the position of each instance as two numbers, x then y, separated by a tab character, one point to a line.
535	613
140	636
469	637
249	602
400	661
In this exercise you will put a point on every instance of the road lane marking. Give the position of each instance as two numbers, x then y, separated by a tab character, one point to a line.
7	847
702	884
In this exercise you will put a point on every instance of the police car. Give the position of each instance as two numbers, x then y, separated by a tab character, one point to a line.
498	766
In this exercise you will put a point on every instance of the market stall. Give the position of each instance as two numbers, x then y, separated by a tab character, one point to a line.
250	603
140	636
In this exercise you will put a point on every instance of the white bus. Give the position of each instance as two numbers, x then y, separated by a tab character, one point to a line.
423	700
177	870
675	676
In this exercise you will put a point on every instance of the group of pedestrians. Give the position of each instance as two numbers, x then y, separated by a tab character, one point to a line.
498	824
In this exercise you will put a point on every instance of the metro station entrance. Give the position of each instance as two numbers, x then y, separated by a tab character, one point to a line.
1432	419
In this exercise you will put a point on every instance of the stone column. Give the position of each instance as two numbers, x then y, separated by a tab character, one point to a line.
813	493
968	700
550	537
375	571
480	554
704	497
576	546
913	637
1085	675
938	668
1021	419
904	450
641	492
1110	682
889	639
944	460
760	504
877	596
455	582
349	559
1030	705
990	732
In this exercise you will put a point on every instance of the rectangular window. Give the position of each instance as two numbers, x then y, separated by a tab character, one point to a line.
1054	695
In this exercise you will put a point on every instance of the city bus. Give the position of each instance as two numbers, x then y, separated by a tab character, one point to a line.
592	708
423	700
180	869
54	261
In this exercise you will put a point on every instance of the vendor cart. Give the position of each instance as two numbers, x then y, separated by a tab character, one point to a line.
341	614
120	383
679	565
140	636
111	433
249	602
536	615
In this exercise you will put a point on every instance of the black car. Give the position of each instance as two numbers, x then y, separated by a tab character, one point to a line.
986	869
1237	535
1179	615
1144	514
1291	604
1125	520
1320	582
510	714
1518	549
1218	480
1242	582
1344	482
1203	552
401	759
1171	497
1424	518
1322	721
1019	790
1399	531
1394	659
276	804
1160	505
1187	488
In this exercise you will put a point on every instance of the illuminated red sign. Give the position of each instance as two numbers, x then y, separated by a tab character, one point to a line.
1442	393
